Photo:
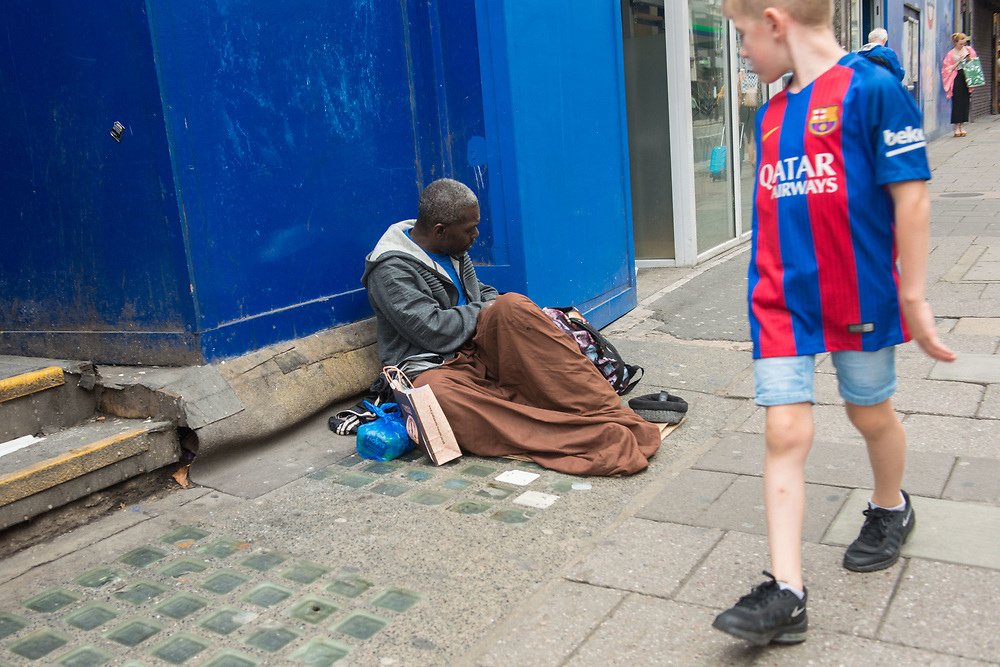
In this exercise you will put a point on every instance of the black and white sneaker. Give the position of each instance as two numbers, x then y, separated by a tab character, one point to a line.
768	614
881	538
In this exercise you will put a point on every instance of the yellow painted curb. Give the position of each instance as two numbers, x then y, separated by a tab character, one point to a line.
29	383
74	463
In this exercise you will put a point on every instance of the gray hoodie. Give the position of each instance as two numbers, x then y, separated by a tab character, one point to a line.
415	301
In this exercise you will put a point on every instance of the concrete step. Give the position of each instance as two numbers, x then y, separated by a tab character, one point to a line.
40	473
40	396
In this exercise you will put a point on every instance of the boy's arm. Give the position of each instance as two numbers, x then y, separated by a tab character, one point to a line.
913	213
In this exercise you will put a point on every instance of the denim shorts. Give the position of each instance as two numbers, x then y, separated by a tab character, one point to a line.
864	378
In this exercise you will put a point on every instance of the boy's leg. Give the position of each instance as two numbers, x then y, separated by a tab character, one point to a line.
886	442
772	612
789	436
867	381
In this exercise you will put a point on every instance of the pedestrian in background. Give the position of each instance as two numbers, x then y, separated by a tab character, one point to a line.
877	52
840	191
955	85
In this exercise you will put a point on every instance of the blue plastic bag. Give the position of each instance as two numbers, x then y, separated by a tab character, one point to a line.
385	438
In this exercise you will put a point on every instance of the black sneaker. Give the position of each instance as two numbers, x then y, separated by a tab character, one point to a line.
768	614
881	538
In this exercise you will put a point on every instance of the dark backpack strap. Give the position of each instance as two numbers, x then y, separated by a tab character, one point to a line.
621	385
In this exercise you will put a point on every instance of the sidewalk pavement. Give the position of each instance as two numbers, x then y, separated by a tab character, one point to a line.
406	564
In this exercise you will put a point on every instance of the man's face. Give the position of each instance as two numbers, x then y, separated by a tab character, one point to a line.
457	238
759	43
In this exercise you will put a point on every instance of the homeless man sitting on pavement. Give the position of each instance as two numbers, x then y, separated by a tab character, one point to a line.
508	380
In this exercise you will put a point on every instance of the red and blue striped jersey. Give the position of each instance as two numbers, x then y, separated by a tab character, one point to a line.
822	274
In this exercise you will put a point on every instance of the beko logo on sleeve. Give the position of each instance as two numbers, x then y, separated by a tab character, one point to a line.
908	139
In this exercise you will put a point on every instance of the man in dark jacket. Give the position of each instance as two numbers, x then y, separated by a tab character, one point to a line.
877	52
509	381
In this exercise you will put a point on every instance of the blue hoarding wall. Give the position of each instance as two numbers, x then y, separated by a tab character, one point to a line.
265	148
93	245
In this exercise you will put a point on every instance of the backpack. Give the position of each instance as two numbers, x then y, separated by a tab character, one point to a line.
622	376
878	60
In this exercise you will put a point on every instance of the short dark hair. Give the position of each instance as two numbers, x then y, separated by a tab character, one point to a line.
442	202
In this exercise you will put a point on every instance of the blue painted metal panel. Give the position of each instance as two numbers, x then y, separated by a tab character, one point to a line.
294	146
564	137
90	224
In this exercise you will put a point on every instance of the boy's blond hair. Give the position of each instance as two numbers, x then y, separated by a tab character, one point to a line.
807	12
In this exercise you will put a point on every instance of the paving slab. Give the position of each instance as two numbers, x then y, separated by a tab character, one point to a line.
963	533
957	436
960	618
687	497
837	464
977	368
934	397
649	631
978	326
546	634
976	480
839	600
989	408
645	557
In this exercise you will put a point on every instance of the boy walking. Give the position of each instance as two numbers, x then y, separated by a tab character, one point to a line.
840	194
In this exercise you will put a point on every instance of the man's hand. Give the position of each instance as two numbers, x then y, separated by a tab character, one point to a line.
920	321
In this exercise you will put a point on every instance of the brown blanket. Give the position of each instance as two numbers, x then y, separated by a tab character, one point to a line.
521	386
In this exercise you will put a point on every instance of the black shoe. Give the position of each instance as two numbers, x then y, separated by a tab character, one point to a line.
881	538
768	614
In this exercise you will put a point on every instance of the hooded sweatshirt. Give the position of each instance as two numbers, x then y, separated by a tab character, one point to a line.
415	302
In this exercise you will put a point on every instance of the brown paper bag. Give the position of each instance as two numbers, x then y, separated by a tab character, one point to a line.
425	421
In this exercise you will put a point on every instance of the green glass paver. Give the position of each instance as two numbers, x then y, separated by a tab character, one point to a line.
397	599
324	473
430	498
470	507
52	600
267	594
225	620
361	625
561	486
92	616
272	639
414	454
351	460
264	560
85	656
496	491
143	556
391	489
227	657
133	663
181	605
312	609
133	632
180	648
184	536
99	576
39	644
355	480
418	475
349	586
183	567
305	572
478	470
141	592
381	468
321	652
513	515
223	581
457	484
222	547
9	624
